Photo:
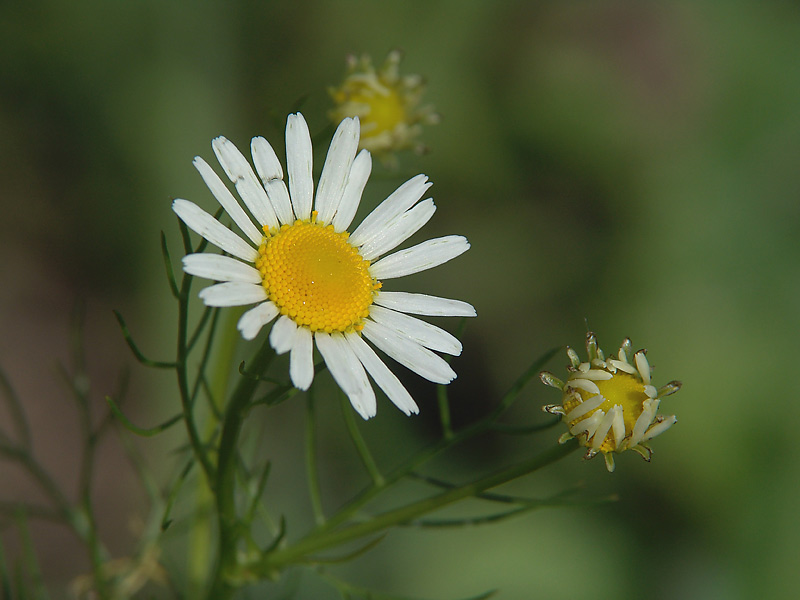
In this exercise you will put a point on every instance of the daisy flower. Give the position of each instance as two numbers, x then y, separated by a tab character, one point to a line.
322	285
610	404
387	103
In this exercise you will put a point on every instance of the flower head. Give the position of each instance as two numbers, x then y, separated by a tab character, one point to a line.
386	103
299	264
610	404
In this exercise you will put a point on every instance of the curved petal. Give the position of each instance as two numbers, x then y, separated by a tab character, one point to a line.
215	232
241	174
271	173
409	353
232	293
396	204
347	371
421	332
336	170
220	268
299	163
351	198
422	304
301	359
227	201
399	230
420	257
251	322
282	335
382	375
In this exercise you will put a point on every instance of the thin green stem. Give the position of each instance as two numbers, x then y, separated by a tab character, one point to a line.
222	585
423	456
361	446
183	380
97	554
444	412
312	473
36	580
46	483
311	545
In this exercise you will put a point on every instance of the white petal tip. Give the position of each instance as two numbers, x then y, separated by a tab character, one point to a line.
247	333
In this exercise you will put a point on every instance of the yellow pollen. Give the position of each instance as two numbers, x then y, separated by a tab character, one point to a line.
623	389
315	277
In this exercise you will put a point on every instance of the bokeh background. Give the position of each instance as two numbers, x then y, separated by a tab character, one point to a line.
630	164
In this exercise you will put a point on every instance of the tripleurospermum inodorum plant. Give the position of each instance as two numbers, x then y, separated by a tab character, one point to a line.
292	275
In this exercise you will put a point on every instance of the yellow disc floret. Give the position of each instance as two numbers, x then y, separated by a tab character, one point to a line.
387	104
622	390
315	277
385	109
609	404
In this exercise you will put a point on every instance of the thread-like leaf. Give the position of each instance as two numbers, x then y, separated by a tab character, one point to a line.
136	352
15	409
173	284
259	491
350	555
141	431
278	538
166	521
201	325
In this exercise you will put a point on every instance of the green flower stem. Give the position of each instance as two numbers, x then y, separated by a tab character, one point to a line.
183	379
313	544
223	585
201	536
311	460
350	509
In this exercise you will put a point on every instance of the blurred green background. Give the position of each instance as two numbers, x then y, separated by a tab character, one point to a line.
634	164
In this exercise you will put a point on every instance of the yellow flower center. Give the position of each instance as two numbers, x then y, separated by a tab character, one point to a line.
386	110
315	277
623	389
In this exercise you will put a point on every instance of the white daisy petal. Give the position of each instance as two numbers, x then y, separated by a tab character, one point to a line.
351	197
421	332
215	232
602	429
341	154
227	201
282	335
299	164
220	268
382	375
660	427
271	173
409	353
348	372
301	360
421	304
420	257
232	293
399	230
584	408
396	204
270	196
241	174
251	322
